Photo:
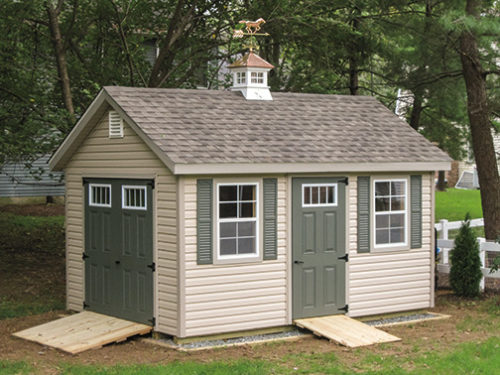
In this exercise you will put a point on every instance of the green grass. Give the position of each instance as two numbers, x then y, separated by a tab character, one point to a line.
14	309
453	204
468	358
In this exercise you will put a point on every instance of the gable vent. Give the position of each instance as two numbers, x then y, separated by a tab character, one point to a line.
115	125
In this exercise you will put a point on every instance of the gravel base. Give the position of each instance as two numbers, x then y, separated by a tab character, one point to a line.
400	319
233	341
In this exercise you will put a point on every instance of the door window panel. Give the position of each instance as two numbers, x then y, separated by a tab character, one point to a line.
134	197
319	195
100	195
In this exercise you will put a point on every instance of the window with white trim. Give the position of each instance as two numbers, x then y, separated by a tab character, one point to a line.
241	78
237	220
257	77
134	197
314	195
115	125
100	195
390	208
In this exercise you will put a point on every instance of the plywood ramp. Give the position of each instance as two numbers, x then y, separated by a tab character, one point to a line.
83	331
345	331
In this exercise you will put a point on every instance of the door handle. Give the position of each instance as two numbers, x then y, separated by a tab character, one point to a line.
298	261
117	262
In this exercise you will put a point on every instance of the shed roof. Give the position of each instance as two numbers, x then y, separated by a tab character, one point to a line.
294	132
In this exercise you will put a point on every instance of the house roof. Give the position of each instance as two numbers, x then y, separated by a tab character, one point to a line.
251	60
208	131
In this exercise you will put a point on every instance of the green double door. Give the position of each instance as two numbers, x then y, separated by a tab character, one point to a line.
119	248
318	247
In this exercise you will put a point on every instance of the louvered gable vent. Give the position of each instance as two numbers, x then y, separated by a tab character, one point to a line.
115	125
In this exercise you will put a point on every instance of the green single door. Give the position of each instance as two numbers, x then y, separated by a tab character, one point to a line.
119	248
318	246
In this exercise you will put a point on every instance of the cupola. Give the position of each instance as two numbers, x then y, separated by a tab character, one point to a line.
250	77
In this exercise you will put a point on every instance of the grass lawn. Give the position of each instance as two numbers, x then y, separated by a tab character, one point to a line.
453	204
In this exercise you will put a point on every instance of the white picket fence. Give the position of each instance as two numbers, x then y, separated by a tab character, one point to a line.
446	245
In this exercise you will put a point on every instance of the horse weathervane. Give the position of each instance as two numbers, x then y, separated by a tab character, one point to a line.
252	28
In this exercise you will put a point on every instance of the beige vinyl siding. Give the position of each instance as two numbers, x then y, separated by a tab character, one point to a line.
232	297
127	157
384	282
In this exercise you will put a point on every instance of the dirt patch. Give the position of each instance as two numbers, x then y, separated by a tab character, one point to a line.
34	209
439	335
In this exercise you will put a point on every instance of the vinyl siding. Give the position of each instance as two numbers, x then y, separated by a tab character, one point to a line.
232	297
384	282
127	157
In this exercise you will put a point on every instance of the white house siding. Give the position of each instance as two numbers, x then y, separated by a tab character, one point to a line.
232	297
127	157
390	281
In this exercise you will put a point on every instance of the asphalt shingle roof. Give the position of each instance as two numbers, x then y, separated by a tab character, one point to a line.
207	126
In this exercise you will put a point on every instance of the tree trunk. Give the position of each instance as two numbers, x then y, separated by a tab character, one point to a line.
416	110
353	61
60	54
441	185
482	140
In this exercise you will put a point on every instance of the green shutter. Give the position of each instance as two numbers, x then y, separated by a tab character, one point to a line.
416	211
270	219
204	221
363	214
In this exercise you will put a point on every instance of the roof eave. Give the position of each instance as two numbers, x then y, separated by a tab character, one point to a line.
278	168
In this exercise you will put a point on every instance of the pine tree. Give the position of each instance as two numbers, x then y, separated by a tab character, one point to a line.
465	273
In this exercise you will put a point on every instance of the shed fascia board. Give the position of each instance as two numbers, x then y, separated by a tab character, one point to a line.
64	152
265	168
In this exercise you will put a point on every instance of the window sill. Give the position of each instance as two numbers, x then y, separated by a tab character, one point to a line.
390	249
237	260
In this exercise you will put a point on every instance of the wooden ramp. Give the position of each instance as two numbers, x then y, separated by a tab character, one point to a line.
345	331
83	331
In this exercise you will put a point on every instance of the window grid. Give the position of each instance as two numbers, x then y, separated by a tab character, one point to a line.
99	195
237	220
319	195
390	213
257	77
134	197
241	77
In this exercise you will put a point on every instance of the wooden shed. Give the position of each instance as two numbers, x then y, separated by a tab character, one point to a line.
202	212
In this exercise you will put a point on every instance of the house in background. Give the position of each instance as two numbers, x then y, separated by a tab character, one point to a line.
202	212
17	180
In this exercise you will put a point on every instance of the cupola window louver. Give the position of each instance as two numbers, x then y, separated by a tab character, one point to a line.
115	125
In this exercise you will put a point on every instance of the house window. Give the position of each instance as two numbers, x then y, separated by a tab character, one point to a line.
241	78
99	195
257	77
237	220
390	203
134	197
115	125
314	195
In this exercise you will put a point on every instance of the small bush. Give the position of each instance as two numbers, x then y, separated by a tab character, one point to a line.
465	273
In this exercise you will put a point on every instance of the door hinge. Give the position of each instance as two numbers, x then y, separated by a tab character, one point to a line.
345	308
152	266
345	257
85	256
151	183
84	181
153	321
345	180
85	305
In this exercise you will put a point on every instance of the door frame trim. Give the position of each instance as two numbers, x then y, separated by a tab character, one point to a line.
114	176
289	241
